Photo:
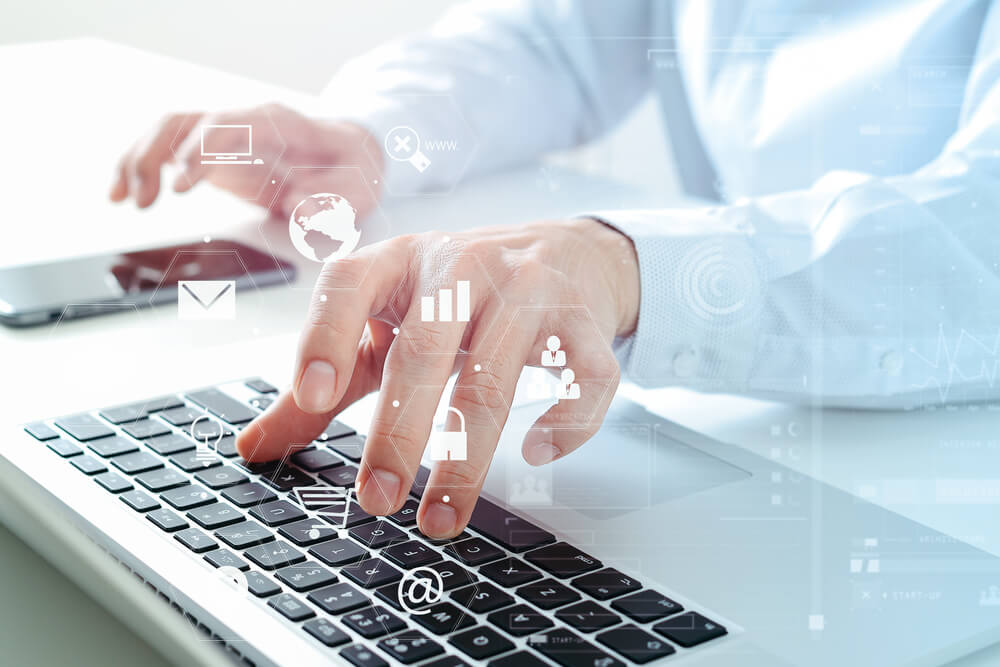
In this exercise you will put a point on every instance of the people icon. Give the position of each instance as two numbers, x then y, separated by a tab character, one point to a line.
567	389
553	356
530	491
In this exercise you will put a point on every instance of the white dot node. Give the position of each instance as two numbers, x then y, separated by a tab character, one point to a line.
322	297
477	367
273	181
395	404
446	239
395	331
446	498
207	239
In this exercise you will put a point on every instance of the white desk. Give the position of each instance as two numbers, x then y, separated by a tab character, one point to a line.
70	109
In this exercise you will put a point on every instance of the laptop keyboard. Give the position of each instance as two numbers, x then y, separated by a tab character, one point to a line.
503	579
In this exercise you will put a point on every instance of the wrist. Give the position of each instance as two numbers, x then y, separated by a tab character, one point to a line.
621	267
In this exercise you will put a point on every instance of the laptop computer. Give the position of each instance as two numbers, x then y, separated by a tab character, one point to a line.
650	545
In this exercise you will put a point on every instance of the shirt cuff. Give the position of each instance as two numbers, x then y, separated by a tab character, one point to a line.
701	297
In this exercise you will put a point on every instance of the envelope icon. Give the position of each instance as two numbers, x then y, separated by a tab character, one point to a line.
206	299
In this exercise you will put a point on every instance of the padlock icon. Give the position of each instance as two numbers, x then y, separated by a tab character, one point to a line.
450	445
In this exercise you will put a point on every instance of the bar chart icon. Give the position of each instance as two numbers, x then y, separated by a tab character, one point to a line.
444	304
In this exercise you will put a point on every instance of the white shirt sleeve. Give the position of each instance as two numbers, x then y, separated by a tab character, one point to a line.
519	77
861	291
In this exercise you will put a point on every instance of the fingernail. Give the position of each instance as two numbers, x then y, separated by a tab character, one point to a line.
315	391
439	521
380	492
541	453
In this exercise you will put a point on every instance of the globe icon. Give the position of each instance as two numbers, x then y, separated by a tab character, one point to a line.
322	227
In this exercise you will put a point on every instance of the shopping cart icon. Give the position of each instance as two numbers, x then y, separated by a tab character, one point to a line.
332	503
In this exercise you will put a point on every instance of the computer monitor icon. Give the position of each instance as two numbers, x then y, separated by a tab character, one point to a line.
227	144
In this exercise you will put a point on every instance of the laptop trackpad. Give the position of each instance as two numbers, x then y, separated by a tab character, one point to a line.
630	464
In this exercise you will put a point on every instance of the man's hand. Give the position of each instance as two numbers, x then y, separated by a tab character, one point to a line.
301	155
577	280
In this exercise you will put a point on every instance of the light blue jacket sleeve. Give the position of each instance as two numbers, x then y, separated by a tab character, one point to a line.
516	77
860	291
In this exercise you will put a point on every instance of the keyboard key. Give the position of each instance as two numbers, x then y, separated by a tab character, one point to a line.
444	618
305	576
287	478
481	598
161	479
519	620
244	534
258	467
172	443
195	540
181	416
64	448
261	402
290	607
245	495
570	650
411	554
220	477
689	629
166	520
139	501
355	515
273	555
606	584
407	515
510	572
113	482
113	446
341	476
635	644
474	551
372	622
194	461
519	659
548	594
646	606
315	459
371	573
187	497
41	431
222	406
85	427
588	616
350	447
326	632
226	558
481	643
226	447
207	430
307	532
452	574
563	560
215	515
360	656
508	530
410	646
339	552
136	462
276	513
335	430
261	387
140	409
464	535
260	586
88	464
390	594
447	661
145	428
338	598
377	534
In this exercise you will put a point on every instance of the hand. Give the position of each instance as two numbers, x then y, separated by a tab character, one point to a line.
577	280
301	155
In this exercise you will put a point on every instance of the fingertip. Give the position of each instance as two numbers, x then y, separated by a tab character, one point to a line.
439	521
315	391
379	493
118	191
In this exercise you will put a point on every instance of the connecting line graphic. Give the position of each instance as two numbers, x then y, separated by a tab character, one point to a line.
946	358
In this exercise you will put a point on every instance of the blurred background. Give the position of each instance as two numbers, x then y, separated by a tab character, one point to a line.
299	45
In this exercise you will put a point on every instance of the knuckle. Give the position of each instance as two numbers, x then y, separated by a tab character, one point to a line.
346	272
459	475
479	395
401	442
418	337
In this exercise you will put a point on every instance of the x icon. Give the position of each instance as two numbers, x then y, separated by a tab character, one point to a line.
402	143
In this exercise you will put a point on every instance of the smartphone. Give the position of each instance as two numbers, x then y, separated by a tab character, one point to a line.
85	286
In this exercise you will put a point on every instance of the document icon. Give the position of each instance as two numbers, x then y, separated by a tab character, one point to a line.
206	299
